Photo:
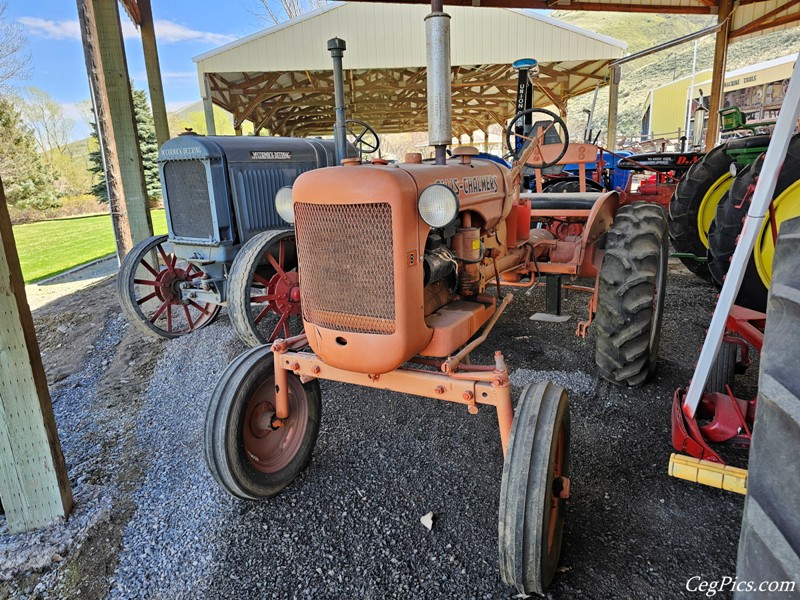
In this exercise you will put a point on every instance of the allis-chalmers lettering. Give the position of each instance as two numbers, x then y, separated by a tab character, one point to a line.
471	185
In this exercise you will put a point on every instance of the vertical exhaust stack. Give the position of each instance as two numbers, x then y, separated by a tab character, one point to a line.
336	47
437	41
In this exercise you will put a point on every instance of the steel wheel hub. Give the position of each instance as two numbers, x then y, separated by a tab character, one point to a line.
169	285
286	287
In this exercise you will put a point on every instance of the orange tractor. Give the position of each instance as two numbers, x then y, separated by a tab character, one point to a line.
404	270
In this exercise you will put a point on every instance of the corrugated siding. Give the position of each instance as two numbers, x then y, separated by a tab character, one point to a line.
393	36
669	112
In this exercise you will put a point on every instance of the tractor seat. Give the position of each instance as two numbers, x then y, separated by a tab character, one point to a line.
747	142
563	201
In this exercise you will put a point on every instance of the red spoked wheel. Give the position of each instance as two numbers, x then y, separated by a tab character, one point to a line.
149	289
248	455
264	289
534	489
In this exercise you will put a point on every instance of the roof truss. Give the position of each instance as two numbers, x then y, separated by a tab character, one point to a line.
300	103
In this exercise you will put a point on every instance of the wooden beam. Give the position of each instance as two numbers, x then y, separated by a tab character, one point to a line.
768	20
208	106
237	120
153	68
663	8
615	74
109	82
718	73
34	485
253	103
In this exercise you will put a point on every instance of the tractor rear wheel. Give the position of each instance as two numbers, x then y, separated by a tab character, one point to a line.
247	456
630	301
692	206
571	186
730	219
264	289
534	488
149	291
769	544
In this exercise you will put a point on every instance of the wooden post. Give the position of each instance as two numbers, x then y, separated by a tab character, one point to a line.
615	74
235	113
153	69
486	139
208	107
33	477
113	106
718	74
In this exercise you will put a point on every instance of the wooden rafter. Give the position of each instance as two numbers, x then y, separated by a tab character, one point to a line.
770	19
301	102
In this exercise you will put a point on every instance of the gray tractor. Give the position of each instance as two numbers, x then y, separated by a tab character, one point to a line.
227	243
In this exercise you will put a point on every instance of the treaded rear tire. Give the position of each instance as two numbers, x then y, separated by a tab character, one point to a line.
631	295
723	372
571	186
769	545
685	205
724	234
729	221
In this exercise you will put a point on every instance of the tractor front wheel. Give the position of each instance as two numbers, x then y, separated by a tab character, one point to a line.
149	290
534	488
264	288
631	291
248	455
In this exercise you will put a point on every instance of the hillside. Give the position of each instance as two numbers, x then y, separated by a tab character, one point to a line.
643	31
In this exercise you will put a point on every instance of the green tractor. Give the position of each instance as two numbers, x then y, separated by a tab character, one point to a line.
710	201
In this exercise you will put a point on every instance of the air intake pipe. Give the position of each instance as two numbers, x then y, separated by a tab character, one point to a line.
437	40
336	47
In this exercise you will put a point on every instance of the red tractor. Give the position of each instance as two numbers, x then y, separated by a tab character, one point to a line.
404	270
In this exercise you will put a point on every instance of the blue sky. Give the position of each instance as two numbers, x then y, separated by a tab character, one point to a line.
185	28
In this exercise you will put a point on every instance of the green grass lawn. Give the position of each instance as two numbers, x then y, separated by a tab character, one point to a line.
48	248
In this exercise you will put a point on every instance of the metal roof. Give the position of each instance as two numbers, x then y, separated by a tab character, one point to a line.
280	78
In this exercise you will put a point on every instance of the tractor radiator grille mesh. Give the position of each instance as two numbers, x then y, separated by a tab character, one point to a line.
346	266
186	188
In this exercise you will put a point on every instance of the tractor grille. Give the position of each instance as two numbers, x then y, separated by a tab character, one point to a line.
346	266
188	199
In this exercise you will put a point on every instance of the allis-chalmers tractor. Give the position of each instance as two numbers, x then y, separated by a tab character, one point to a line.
404	269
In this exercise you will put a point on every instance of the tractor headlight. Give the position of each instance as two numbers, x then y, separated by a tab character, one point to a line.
438	205
283	204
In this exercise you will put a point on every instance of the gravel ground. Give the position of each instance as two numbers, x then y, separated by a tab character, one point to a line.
349	527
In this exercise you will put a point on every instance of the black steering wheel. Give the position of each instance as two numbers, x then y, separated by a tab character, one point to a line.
363	136
553	130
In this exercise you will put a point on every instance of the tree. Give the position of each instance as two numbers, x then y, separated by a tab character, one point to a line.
52	128
148	143
148	146
196	121
278	11
27	180
50	125
15	62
